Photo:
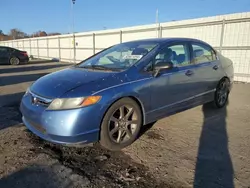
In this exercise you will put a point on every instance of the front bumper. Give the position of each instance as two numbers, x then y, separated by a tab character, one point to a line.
74	126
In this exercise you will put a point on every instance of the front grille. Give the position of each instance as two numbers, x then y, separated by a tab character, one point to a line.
36	126
38	100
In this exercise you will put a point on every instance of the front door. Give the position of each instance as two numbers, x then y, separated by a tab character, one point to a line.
172	88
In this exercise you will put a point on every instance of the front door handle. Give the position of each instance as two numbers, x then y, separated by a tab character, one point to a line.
215	67
189	73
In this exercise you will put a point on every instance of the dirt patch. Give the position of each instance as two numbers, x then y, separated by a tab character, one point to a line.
153	135
100	166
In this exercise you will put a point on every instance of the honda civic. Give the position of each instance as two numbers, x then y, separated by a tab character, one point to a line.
108	97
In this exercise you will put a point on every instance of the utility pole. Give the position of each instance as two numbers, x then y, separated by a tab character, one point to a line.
73	29
157	23
157	16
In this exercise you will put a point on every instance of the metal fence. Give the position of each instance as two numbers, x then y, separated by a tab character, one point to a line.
227	33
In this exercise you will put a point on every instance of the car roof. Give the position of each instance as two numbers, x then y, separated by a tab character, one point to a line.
8	47
170	39
5	47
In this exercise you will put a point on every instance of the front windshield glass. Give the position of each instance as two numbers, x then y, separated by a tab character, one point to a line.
121	56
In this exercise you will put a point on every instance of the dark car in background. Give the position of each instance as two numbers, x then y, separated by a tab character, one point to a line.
12	56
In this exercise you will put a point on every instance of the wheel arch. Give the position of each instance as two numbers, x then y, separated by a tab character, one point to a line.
140	104
134	98
225	77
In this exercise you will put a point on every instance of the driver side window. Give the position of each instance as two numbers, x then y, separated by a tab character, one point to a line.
178	54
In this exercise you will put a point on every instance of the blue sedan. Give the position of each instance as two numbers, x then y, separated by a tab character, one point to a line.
111	95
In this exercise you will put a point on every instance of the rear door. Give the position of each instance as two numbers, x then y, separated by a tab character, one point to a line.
208	70
4	55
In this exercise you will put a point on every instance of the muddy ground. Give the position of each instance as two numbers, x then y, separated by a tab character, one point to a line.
200	147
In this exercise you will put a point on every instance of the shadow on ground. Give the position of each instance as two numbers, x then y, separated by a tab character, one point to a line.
214	165
36	67
146	128
17	79
35	60
10	116
11	99
32	176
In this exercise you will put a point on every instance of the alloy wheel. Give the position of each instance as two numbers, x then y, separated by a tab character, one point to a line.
222	92
14	61
123	124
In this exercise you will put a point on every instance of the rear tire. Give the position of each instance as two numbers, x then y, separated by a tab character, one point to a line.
221	93
14	61
121	124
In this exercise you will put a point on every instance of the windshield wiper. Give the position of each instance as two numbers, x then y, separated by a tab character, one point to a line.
100	67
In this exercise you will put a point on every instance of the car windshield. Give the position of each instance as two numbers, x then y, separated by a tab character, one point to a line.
119	57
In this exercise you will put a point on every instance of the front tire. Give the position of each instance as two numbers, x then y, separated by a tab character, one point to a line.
121	124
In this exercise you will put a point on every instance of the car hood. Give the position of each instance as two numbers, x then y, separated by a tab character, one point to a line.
58	83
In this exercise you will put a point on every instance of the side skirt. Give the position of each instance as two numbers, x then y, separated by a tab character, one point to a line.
180	107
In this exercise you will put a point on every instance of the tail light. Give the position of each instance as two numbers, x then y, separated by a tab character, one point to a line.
24	53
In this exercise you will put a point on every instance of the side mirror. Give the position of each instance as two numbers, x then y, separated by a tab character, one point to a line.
161	65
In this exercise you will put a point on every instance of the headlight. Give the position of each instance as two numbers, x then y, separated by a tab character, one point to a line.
71	103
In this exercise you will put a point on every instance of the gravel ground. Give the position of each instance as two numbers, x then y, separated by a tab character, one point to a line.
200	147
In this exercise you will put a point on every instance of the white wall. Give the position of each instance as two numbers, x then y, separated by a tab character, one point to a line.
233	28
241	59
237	34
142	32
84	46
106	40
207	33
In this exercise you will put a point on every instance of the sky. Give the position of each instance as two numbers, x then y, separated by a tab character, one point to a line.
56	15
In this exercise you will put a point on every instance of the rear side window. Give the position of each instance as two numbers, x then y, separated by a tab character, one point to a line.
3	50
203	53
11	49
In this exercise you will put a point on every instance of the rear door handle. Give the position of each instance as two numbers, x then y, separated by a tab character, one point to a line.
189	73
215	67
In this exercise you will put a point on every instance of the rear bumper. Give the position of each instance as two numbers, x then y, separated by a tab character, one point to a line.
24	60
70	127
